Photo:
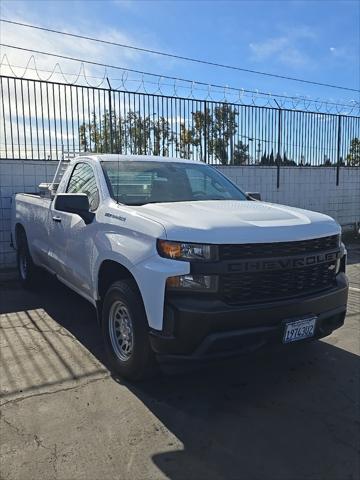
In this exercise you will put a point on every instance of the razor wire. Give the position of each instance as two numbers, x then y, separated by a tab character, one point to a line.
171	86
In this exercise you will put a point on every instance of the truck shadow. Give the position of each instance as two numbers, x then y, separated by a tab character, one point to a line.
279	415
289	414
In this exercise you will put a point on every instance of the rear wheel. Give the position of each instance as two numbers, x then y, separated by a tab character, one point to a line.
27	270
126	332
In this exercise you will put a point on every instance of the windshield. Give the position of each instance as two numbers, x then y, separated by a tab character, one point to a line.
141	182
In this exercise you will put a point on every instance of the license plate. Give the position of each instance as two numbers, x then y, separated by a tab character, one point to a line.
299	329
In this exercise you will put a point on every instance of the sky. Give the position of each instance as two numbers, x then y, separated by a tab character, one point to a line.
313	40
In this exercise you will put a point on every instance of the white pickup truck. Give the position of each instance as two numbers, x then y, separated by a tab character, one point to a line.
179	263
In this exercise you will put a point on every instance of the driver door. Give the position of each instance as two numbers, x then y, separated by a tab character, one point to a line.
75	241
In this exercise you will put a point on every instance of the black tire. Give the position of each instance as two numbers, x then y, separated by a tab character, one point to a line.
123	303
27	270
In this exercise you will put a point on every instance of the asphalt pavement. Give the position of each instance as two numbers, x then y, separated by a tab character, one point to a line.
284	414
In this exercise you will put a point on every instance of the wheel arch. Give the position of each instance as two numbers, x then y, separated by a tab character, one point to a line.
109	272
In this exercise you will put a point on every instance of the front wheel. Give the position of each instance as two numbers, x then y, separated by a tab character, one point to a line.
126	332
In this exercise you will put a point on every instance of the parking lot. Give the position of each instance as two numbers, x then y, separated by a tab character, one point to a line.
289	414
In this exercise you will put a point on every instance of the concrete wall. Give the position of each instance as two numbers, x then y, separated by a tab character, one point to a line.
18	176
313	188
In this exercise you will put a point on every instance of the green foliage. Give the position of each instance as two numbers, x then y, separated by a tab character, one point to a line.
222	129
134	134
353	157
241	154
267	159
270	160
212	133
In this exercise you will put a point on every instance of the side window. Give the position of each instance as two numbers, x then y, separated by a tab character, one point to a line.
82	180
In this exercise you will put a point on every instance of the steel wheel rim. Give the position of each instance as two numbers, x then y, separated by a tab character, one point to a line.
121	330
23	265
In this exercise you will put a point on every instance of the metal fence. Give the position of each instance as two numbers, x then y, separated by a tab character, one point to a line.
41	120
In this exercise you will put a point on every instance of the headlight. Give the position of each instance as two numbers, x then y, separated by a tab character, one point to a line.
203	283
341	261
341	245
186	251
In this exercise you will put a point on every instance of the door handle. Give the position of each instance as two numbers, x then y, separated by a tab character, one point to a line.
56	219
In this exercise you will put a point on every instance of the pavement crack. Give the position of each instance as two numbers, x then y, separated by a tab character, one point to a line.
28	326
64	389
9	424
54	457
40	443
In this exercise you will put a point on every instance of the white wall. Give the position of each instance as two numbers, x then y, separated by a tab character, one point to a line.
313	188
18	176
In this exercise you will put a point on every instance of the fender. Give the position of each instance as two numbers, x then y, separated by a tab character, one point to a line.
150	276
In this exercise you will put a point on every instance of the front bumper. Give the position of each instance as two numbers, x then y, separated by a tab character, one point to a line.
196	328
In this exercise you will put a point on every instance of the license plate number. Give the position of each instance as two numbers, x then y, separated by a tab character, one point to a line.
299	329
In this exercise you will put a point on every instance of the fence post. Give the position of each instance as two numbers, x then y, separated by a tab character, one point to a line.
205	133
110	117
278	157
338	151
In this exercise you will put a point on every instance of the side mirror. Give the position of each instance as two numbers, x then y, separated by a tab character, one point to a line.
77	203
253	195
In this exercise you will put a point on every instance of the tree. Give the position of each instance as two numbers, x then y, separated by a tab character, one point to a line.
134	134
271	158
202	122
264	159
95	134
287	161
241	154
327	161
353	157
186	140
162	136
212	130
84	138
138	133
222	130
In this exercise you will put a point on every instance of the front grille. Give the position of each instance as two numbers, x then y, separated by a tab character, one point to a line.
265	286
246	288
281	249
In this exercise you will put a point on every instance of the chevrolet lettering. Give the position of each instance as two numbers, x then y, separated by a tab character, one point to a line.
283	263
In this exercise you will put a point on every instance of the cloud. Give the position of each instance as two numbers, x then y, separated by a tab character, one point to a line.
287	48
281	49
125	4
341	53
63	45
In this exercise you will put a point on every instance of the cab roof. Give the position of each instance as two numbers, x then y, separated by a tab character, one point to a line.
114	157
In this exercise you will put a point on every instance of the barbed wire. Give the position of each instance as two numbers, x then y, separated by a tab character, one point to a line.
142	82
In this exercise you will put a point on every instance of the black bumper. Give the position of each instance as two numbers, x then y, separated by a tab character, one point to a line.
196	328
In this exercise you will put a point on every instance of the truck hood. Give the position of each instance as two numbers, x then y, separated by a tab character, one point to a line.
219	221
